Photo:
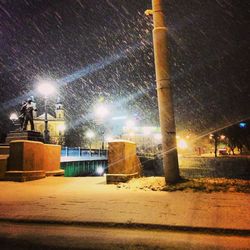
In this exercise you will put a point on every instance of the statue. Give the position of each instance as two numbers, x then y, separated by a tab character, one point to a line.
26	115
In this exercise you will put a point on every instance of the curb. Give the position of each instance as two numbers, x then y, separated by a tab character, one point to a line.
131	225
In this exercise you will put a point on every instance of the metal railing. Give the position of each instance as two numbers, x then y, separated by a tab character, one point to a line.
82	152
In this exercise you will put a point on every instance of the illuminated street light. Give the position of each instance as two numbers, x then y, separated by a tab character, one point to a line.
90	134
182	144
222	137
101	111
46	89
13	117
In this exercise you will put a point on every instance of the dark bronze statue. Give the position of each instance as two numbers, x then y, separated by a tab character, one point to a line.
26	115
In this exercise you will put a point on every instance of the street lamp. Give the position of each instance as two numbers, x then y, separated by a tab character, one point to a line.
46	89
101	112
13	118
90	135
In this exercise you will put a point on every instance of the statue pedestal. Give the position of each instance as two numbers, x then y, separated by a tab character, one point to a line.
31	160
25	161
123	163
24	135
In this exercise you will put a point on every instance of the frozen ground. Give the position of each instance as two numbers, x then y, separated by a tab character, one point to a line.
89	199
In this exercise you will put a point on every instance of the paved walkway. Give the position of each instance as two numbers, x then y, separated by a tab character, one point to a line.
90	200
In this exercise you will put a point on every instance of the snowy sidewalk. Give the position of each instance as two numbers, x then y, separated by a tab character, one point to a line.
89	199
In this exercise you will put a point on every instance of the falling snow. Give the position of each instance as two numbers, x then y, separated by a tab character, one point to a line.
95	48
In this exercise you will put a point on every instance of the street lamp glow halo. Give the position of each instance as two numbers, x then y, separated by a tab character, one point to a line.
101	111
46	88
90	134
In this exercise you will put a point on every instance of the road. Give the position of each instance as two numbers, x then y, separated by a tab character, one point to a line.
221	167
42	236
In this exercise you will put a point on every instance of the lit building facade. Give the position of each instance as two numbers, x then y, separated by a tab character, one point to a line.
56	124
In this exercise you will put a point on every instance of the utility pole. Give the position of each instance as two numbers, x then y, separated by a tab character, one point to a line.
164	93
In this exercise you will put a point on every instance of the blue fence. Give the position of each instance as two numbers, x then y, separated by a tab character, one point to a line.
82	152
83	162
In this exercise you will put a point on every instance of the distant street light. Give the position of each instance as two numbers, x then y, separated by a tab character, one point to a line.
46	89
222	137
182	144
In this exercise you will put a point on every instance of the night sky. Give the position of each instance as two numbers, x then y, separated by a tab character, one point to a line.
103	48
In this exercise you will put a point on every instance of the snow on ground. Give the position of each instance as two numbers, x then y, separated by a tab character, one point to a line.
200	184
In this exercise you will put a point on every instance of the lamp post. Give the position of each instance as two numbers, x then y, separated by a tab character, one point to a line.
46	89
101	113
164	93
90	135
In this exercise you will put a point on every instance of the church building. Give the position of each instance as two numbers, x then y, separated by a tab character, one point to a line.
56	124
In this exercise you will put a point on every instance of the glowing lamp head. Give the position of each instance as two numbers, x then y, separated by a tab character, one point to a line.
90	134
222	137
182	144
101	111
13	117
242	124
46	88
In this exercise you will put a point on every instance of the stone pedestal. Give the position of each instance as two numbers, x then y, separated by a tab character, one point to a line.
31	160
24	135
25	161
123	163
4	150
3	165
52	160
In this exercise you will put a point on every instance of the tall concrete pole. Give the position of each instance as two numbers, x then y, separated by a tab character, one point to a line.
164	93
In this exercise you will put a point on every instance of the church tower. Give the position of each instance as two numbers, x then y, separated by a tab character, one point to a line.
59	109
